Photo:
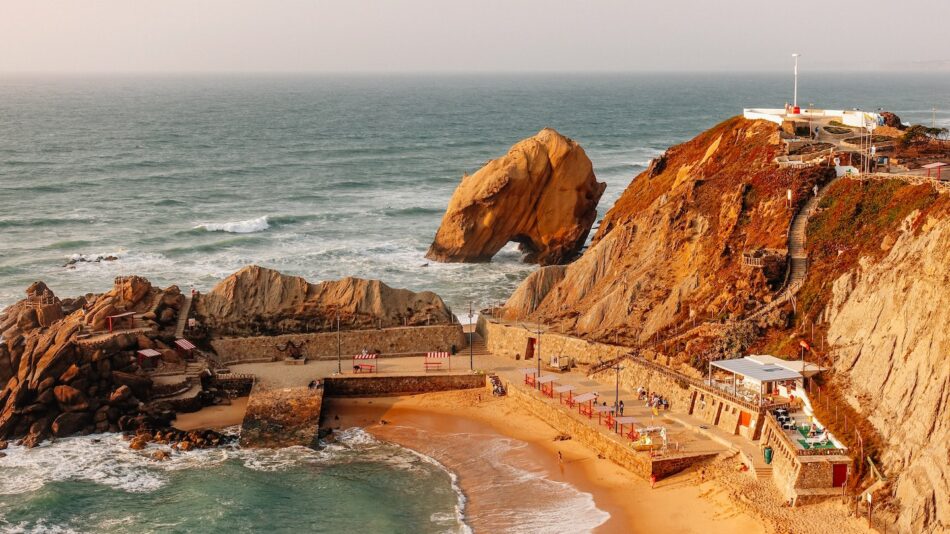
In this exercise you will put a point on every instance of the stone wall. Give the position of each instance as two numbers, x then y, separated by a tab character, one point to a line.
793	472
278	418
382	386
563	421
411	340
510	340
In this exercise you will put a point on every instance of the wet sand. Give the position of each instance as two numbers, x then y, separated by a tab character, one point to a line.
213	417
456	428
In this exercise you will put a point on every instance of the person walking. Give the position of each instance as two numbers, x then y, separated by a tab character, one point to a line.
620	409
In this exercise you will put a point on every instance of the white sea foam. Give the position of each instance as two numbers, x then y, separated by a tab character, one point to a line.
248	226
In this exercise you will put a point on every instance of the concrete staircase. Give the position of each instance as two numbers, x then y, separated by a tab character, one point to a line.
183	318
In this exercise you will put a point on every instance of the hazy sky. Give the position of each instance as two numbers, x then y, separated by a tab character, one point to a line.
475	35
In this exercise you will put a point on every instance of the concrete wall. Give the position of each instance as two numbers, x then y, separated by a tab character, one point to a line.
282	417
510	340
382	386
388	341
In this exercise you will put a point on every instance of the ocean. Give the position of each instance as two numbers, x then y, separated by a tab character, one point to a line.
185	179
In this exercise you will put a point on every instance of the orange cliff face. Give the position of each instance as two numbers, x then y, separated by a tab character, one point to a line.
543	195
671	247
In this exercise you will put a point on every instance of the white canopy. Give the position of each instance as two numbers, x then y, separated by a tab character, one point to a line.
546	378
759	372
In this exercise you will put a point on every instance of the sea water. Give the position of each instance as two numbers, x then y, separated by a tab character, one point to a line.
185	179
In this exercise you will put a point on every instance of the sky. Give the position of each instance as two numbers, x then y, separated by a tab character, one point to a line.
470	36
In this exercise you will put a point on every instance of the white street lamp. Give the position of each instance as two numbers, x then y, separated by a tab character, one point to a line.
795	94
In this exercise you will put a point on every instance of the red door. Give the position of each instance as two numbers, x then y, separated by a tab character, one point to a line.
745	418
839	474
529	350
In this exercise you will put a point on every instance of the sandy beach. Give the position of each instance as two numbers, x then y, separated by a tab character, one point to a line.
213	417
680	504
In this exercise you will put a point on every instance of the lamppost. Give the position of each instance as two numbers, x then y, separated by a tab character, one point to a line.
471	335
539	354
339	353
618	368
795	94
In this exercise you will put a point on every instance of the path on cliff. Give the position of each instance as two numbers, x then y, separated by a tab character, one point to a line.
183	318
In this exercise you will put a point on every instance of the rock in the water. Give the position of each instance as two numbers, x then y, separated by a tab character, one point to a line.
543	195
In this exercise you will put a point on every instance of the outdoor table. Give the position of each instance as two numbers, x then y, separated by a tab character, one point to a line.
601	410
561	390
585	409
530	375
547	385
624	420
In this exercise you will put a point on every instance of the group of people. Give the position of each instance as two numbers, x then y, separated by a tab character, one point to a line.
653	399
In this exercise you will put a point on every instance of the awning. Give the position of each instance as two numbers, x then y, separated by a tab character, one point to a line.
149	353
365	356
625	420
602	409
438	355
184	344
121	315
935	165
565	388
757	371
546	378
529	371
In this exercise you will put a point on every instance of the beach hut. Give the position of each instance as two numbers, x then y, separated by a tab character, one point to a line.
185	348
585	404
433	360
547	385
364	362
561	390
147	358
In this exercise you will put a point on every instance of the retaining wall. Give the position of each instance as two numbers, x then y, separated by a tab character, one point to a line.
510	340
564	422
405	341
383	386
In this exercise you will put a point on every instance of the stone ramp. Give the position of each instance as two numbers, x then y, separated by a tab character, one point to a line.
281	417
183	318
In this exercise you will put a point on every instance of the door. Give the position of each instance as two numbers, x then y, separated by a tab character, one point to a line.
745	418
529	350
839	474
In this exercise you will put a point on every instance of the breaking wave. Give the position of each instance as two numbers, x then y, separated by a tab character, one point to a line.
238	227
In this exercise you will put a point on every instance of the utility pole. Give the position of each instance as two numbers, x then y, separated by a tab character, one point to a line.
339	353
618	368
471	337
795	94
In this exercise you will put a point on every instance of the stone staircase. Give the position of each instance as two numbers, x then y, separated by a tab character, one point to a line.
478	347
183	317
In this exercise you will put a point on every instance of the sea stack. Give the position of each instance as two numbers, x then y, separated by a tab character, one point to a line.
543	195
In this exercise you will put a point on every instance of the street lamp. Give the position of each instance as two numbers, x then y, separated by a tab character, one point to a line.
539	352
795	94
618	368
471	334
339	360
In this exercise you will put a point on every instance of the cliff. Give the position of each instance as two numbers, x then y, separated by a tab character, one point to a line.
670	249
873	302
543	195
256	300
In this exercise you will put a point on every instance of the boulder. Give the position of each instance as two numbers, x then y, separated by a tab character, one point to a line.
49	314
39	431
543	195
70	399
141	386
120	395
71	373
68	424
167	316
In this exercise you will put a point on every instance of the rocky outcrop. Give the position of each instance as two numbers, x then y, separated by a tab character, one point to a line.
59	371
543	195
671	248
888	321
256	300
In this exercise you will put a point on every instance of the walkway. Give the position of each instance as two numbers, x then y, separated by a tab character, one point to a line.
183	318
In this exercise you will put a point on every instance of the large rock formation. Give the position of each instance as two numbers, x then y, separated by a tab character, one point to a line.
543	195
59	379
256	300
671	248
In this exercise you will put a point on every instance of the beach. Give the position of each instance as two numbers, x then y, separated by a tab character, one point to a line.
451	427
